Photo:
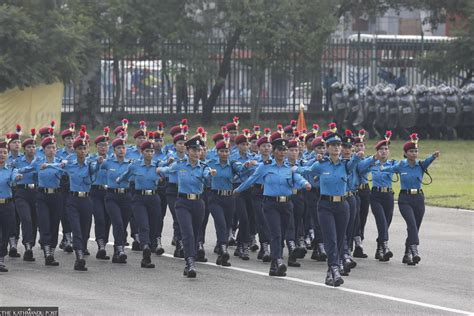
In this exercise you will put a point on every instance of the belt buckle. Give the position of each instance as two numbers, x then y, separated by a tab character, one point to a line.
81	194
148	192
281	199
104	187
50	190
3	201
192	196
413	191
120	190
295	191
31	186
337	198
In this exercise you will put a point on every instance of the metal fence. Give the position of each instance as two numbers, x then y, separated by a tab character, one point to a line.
180	80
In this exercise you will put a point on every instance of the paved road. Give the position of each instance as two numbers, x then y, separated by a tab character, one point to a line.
442	283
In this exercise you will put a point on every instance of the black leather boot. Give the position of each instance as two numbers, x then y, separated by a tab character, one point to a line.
68	242
101	252
301	250
159	247
178	251
28	255
201	253
223	258
292	255
329	278
244	252
273	268
280	268
13	252
136	243
415	254
387	253
119	255
146	261
80	264
49	256
232	241
358	249
408	257
190	269
3	268
216	249
266	252
336	276
253	244
344	270
379	252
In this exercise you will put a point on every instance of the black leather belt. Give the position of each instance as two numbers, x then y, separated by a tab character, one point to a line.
49	190
146	192
278	199
6	201
118	190
223	192
192	197
99	187
31	186
334	198
172	185
79	194
383	190
315	190
412	191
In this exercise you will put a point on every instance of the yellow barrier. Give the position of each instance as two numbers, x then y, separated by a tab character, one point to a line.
32	107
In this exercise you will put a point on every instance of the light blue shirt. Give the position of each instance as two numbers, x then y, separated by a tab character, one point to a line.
191	180
410	176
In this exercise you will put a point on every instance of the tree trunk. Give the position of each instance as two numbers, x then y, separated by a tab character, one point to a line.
88	111
224	69
117	85
257	85
315	103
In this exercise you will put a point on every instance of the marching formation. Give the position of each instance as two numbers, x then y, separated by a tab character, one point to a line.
437	112
289	188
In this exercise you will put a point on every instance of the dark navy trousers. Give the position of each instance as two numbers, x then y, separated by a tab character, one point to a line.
412	208
297	229
312	205
65	225
147	214
163	207
382	208
333	218
222	209
278	215
190	214
118	206
7	225
49	210
171	193
25	202
364	202
260	220
207	211
353	214
79	214
101	218
131	220
242	209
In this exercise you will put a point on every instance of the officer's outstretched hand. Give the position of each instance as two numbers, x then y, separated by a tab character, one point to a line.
170	160
360	154
308	187
19	177
436	154
213	172
250	163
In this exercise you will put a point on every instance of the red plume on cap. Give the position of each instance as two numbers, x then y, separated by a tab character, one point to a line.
184	129
106	131
122	135
82	136
280	129
256	130
183	122
348	133
414	138
293	124
362	133
296	133
226	138
333	127
125	123
51	131
223	129
151	137
72	127
247	132
324	135
388	135
83	128
53	123
267	132
202	132
236	121
18	129
33	133
315	128
161	126
142	126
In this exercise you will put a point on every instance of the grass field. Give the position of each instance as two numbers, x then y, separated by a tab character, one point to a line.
453	181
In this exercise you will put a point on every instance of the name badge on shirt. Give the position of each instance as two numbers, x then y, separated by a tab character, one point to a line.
403	173
113	169
326	173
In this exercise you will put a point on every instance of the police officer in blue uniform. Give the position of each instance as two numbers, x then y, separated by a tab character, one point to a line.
192	174
146	201
81	173
25	197
411	200
8	176
333	210
118	201
49	198
45	131
98	191
279	181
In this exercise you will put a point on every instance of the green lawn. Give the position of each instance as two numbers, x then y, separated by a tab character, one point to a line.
453	181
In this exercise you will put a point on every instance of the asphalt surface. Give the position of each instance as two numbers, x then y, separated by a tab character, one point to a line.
442	283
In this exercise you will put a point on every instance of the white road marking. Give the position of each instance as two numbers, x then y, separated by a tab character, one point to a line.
344	289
